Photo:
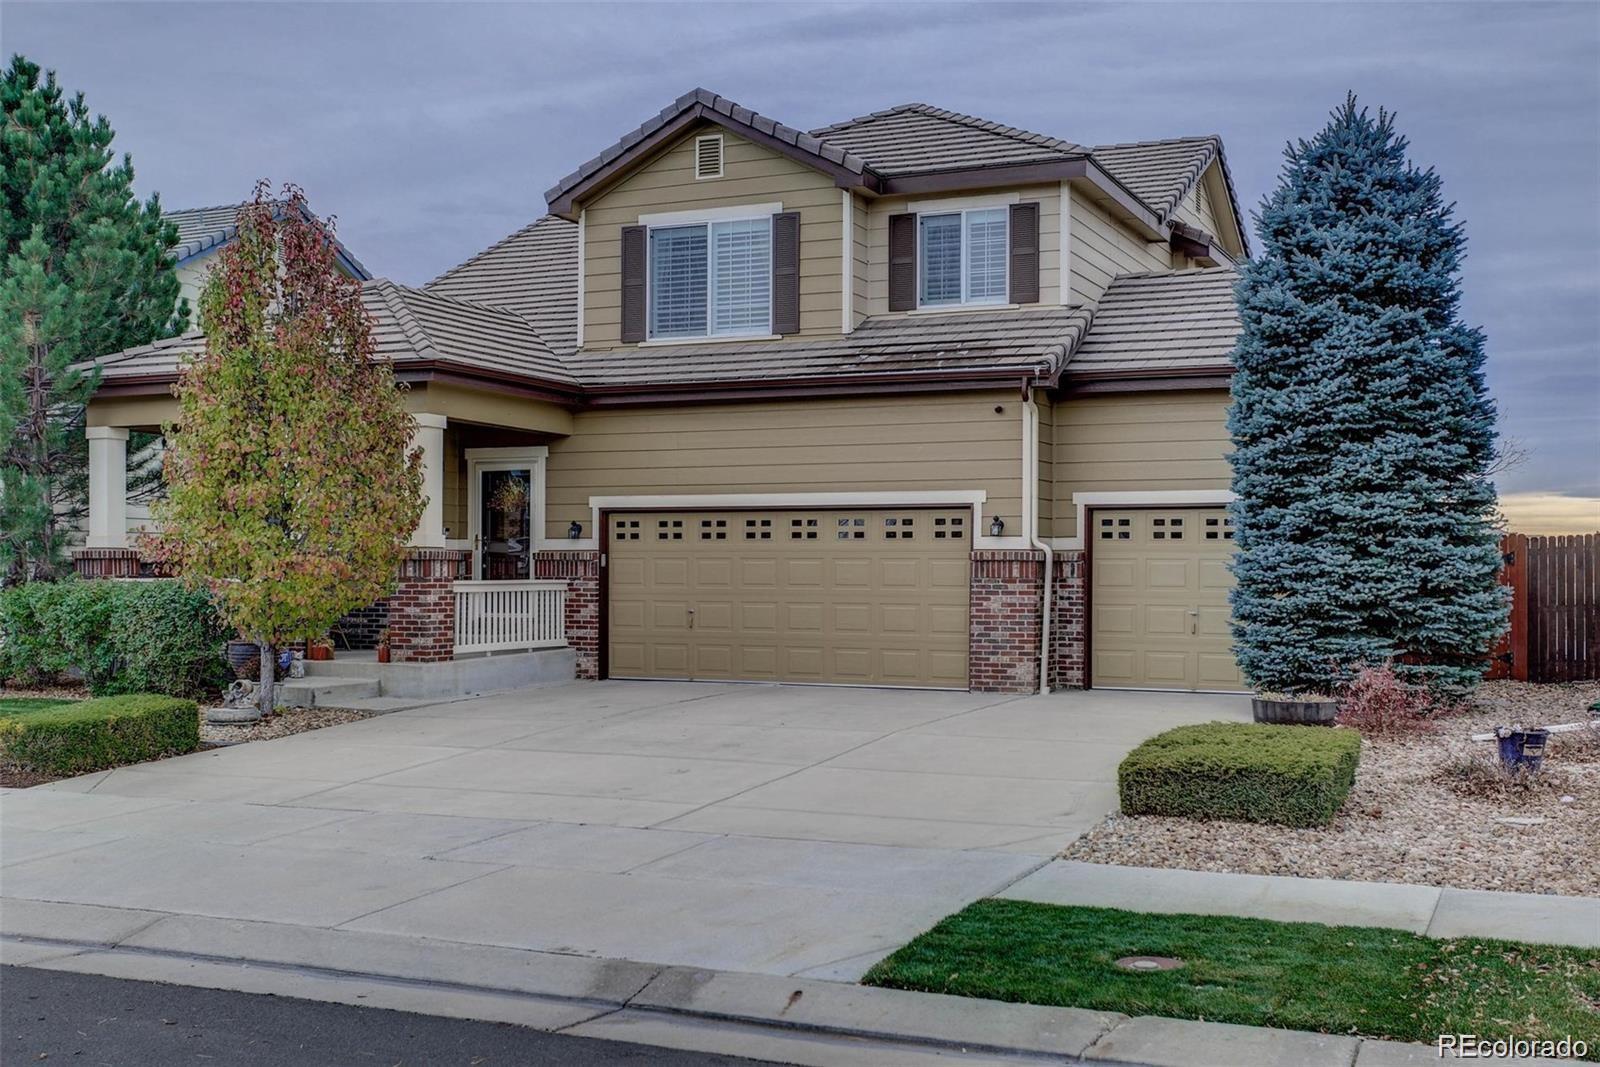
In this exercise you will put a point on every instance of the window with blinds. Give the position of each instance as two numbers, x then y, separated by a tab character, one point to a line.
963	257
711	279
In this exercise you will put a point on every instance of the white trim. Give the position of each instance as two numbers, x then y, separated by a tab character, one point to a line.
847	276
722	160
716	338
1066	244
536	458
973	498
962	203
945	309
1138	498
709	214
581	290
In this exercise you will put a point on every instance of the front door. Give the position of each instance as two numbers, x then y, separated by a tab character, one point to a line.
502	541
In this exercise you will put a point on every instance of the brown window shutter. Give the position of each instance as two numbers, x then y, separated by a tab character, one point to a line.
902	262
1025	253
786	272
635	260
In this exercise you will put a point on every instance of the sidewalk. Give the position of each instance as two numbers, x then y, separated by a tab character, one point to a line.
1548	920
792	1020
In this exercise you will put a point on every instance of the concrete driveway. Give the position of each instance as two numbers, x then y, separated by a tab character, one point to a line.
773	829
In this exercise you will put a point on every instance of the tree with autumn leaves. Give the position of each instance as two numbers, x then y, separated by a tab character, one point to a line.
291	484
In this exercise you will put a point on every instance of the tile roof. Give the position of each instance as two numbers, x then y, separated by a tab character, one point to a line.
721	105
1160	173
533	272
409	325
1177	321
201	229
920	139
1023	341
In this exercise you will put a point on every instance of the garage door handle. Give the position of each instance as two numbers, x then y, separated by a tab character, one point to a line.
1194	621
691	618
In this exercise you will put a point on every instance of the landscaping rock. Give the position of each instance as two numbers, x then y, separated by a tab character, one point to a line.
1423	811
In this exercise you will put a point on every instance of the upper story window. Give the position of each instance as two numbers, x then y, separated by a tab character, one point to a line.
963	257
711	279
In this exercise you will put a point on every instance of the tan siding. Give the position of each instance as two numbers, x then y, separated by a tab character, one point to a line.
134	412
1103	248
862	258
1047	458
1049	200
752	175
1138	441
455	485
191	279
859	445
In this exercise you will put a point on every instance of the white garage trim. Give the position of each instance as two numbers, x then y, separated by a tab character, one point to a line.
1138	498
973	498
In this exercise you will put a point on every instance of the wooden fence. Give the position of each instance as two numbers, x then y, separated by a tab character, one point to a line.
1555	609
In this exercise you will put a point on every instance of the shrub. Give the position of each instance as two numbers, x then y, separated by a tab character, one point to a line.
91	735
122	637
1379	703
1293	775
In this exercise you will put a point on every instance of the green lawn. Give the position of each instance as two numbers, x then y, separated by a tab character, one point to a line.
29	707
1298	976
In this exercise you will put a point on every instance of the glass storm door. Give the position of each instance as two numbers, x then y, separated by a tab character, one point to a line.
503	541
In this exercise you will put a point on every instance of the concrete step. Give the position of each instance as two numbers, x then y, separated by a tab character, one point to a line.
322	691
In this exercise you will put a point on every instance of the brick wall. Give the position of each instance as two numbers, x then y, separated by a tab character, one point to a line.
362	626
1069	622
106	562
422	611
1007	594
581	570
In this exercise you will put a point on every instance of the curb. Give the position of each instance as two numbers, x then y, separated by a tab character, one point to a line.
795	1020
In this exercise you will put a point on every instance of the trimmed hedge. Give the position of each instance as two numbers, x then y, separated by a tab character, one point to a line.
121	636
1293	775
91	735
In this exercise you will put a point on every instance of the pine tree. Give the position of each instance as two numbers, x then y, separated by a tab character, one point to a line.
86	270
292	488
1362	428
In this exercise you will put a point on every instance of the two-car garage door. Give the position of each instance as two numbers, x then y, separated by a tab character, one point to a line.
1158	596
854	596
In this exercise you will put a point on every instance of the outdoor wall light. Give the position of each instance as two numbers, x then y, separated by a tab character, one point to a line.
575	531
997	526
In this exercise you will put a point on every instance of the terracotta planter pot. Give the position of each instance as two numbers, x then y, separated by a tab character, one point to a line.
1294	712
319	652
383	653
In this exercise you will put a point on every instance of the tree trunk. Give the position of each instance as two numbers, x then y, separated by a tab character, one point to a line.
269	668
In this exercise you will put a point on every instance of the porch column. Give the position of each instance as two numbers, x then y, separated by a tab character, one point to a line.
430	438
108	486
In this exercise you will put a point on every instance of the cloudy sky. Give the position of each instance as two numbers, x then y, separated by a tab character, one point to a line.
433	129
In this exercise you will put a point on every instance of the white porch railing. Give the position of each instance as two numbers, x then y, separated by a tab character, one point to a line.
499	616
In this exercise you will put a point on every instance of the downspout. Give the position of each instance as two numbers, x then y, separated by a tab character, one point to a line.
1030	523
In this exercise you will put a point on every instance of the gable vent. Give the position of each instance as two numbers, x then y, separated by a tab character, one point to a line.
708	156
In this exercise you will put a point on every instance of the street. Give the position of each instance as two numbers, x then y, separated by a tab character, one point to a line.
60	1017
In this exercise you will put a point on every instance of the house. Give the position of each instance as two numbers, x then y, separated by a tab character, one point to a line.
916	399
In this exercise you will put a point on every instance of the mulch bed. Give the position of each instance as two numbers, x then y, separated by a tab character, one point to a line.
1426	810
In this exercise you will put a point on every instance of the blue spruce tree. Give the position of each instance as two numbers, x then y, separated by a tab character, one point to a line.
1362	428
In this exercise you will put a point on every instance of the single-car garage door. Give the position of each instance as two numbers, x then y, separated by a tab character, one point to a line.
1159	599
849	596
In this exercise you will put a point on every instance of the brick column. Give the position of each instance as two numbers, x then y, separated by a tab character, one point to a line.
581	570
422	611
106	562
1007	598
1069	621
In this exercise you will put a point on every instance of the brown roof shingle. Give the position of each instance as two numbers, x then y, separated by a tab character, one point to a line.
1179	321
533	272
920	139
